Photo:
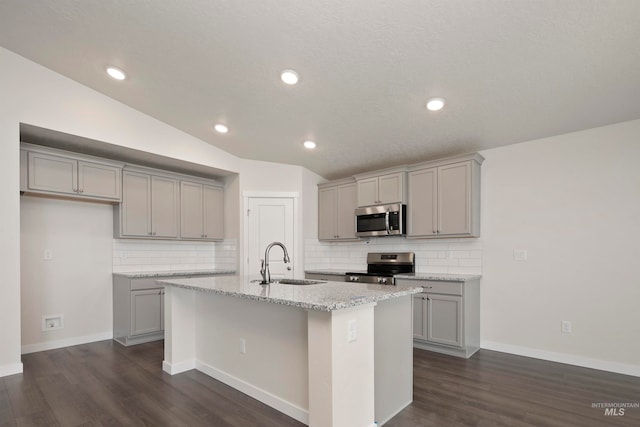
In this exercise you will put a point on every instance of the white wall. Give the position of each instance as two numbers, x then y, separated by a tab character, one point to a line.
264	178
76	282
573	202
35	95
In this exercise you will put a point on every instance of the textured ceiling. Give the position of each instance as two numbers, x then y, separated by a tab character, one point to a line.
511	71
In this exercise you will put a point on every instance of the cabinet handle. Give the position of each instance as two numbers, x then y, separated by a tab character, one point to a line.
150	233
154	233
75	190
81	191
205	236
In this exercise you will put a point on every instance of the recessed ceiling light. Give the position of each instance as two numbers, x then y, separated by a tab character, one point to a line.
435	104
116	73
310	145
221	128
290	77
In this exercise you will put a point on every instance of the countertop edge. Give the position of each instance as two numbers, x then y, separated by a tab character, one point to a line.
151	274
354	302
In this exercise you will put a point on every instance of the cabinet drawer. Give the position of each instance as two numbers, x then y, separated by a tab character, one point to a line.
146	283
449	288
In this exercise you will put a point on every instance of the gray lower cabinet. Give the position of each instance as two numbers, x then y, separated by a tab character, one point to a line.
446	317
138	310
138	307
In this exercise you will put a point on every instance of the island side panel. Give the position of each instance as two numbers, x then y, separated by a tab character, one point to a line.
273	367
179	325
393	357
341	371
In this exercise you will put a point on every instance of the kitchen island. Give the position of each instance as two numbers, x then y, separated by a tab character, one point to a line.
328	354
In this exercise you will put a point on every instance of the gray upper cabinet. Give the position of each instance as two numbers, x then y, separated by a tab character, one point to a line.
202	211
49	173
444	198
337	202
150	206
381	188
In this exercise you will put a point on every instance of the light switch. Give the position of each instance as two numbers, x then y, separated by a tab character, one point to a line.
352	330
48	255
520	254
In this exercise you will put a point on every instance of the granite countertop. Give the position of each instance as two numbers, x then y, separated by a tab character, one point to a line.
150	274
444	277
328	296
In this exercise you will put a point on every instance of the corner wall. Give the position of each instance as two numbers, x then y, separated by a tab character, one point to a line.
573	203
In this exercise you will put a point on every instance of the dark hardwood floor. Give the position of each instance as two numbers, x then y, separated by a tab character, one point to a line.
105	384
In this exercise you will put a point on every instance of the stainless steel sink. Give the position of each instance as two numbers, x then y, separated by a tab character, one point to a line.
299	282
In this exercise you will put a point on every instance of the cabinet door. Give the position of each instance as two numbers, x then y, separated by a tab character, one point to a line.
390	188
422	204
368	192
444	319
213	212
454	198
347	204
52	173
327	208
98	180
191	210
146	311
164	207
419	319
136	204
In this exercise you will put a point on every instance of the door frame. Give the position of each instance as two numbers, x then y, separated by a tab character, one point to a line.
295	252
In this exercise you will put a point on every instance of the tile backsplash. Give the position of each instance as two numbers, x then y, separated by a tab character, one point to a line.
453	256
151	255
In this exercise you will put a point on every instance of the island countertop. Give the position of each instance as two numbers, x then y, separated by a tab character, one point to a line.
328	296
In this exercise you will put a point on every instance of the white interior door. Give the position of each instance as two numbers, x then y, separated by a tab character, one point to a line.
270	220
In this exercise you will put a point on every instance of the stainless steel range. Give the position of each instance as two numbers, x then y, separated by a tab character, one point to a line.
383	266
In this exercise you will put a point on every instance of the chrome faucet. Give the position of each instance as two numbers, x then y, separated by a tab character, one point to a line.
264	266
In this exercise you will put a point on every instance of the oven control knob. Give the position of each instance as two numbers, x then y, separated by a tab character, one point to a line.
382	280
353	278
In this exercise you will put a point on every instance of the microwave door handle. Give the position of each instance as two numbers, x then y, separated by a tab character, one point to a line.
386	222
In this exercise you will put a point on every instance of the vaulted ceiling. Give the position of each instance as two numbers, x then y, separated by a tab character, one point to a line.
510	71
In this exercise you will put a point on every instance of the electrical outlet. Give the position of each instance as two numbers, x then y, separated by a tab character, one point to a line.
243	346
52	322
48	255
565	327
352	330
520	254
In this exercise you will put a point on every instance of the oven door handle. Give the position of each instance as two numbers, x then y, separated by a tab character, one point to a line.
386	222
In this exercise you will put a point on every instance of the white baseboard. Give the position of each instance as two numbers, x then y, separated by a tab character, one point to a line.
67	342
178	368
7	370
263	396
569	359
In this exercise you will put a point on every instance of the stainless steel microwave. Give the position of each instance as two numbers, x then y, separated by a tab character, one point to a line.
381	220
